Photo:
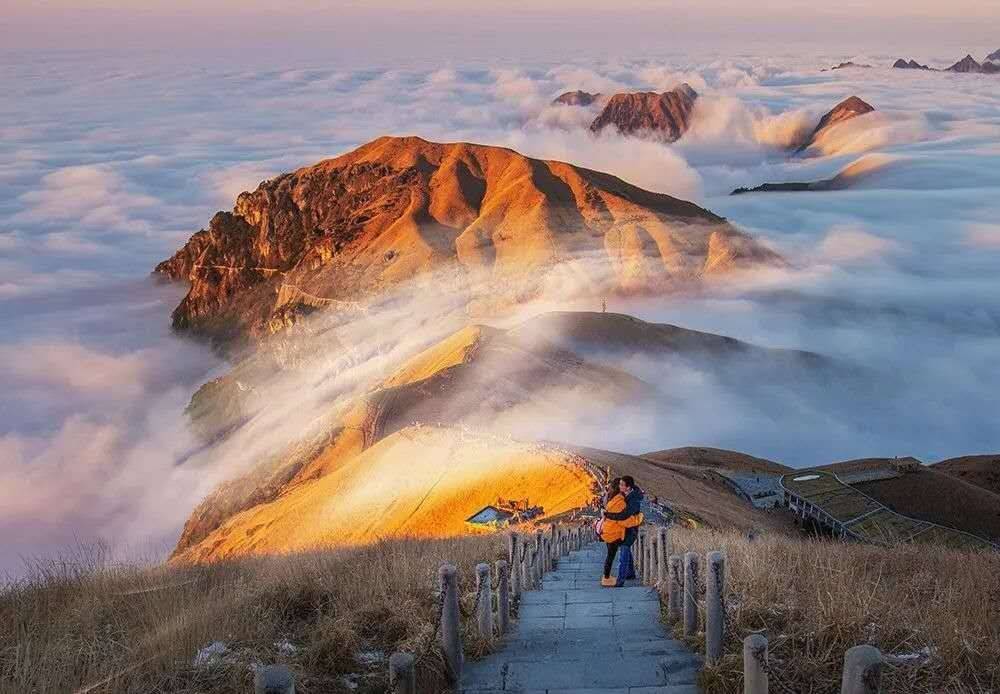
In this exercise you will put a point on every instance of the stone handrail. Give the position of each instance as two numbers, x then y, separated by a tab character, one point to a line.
529	556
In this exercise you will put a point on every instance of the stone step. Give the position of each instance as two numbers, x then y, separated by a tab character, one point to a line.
575	637
666	689
608	671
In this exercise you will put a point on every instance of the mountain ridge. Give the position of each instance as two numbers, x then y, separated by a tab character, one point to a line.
329	234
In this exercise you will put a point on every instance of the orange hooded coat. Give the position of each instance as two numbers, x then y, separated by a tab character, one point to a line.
614	530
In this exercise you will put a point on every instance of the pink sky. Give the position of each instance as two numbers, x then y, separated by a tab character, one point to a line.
386	31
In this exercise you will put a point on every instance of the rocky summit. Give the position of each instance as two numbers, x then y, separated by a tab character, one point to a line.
331	234
849	108
665	116
575	98
910	64
966	64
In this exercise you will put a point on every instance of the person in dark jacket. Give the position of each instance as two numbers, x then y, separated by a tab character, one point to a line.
633	507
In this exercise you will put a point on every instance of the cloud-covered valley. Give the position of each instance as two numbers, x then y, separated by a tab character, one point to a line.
106	167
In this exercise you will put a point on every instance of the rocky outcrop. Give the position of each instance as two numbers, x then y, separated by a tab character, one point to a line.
910	64
665	116
966	64
849	64
575	98
849	108
327	236
969	65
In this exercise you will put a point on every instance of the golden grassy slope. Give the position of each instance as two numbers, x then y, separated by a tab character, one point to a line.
470	378
418	482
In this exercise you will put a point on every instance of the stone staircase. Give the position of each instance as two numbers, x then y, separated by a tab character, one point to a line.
575	637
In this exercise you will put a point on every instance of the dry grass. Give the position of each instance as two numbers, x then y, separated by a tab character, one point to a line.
815	599
77	622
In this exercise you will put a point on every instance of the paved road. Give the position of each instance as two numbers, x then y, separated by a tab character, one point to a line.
574	637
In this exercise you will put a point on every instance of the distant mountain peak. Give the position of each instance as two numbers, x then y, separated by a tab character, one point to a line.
851	107
665	115
911	64
576	98
966	64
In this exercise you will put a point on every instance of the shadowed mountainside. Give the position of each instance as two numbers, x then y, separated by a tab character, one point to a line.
473	379
328	235
700	456
929	494
980	470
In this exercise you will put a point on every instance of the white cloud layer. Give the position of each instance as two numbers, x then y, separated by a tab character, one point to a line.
108	164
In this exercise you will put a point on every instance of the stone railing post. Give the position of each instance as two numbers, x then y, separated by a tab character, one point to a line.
273	679
402	673
662	570
637	550
862	671
755	679
525	573
715	615
514	564
484	593
690	594
451	636
651	552
675	595
503	597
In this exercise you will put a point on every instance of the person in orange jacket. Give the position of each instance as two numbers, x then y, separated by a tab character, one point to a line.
613	531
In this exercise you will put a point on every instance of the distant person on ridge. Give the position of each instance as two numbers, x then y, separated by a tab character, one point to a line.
613	532
632	517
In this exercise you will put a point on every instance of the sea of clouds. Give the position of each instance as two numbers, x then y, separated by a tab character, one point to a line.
108	162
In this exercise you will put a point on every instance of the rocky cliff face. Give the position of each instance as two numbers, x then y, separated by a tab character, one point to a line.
665	116
326	236
849	108
575	98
